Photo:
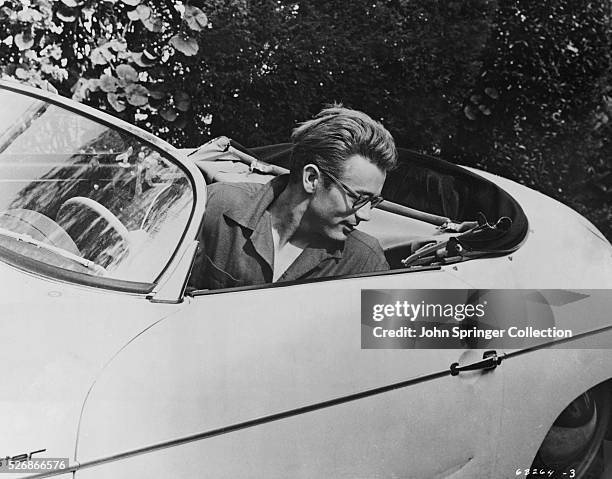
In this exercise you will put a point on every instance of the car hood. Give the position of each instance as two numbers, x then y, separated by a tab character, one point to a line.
55	340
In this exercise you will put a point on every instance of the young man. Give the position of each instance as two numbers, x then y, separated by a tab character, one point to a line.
301	225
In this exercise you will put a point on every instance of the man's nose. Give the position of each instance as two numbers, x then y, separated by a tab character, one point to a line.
364	213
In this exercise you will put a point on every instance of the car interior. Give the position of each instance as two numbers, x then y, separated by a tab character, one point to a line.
434	212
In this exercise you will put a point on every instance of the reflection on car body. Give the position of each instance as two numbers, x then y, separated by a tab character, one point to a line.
112	362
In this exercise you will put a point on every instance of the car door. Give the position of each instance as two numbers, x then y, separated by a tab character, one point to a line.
273	382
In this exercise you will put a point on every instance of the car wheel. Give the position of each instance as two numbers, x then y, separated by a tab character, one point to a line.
573	445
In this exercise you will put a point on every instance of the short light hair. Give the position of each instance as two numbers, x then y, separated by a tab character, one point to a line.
336	134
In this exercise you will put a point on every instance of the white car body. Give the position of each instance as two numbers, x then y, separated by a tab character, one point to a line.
268	382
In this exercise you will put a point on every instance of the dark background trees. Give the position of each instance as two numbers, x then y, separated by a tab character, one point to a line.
545	87
517	87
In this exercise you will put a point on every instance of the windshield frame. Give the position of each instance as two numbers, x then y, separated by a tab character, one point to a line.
196	181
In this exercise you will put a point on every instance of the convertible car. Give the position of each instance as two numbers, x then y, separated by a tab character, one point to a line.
115	362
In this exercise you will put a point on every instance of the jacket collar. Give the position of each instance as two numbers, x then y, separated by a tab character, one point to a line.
253	216
249	213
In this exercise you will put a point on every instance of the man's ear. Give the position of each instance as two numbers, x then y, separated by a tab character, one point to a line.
311	177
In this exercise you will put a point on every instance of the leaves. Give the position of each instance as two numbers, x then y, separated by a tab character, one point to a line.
492	92
113	68
108	83
93	84
543	82
79	89
133	15
180	123
116	101
188	46
67	14
157	94
118	44
470	113
141	60
168	114
182	101
127	73
154	24
485	110
29	15
136	95
24	41
142	12
21	73
71	3
101	55
45	8
167	53
195	18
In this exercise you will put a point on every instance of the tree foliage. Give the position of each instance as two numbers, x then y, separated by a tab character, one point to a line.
540	110
518	87
408	62
126	56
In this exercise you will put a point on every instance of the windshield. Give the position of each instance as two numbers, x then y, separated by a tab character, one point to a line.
79	195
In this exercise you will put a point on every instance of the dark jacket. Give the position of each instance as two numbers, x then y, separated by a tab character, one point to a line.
236	247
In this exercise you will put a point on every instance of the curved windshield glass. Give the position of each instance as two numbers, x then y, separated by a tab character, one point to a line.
79	195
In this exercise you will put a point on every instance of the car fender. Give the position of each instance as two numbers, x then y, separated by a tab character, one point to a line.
570	251
56	337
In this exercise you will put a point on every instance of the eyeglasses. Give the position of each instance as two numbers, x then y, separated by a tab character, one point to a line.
358	200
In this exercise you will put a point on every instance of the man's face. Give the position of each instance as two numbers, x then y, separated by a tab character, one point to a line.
331	213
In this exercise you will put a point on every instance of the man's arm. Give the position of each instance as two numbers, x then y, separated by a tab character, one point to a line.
367	254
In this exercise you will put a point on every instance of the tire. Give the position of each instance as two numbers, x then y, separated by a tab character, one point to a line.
573	445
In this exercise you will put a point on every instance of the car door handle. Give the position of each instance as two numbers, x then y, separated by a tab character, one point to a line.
490	360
